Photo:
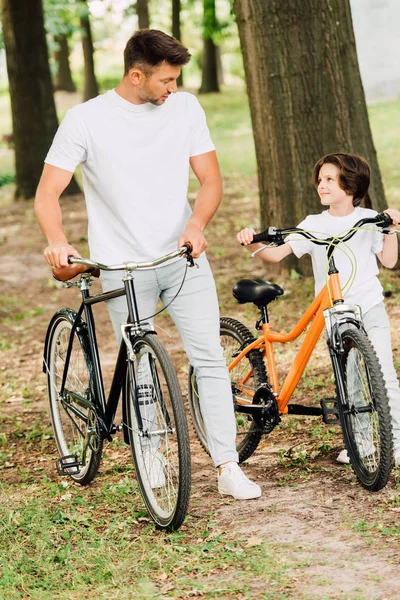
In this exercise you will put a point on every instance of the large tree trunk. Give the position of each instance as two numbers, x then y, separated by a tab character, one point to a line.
209	77
32	104
63	78
176	29
142	11
306	99
91	89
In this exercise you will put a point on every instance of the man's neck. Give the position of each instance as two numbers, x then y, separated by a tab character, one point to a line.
127	92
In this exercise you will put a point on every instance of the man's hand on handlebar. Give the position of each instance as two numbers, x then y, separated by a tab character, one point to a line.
195	237
57	256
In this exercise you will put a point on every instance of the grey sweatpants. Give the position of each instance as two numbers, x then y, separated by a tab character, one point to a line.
377	326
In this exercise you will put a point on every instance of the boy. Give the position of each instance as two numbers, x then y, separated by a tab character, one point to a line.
342	181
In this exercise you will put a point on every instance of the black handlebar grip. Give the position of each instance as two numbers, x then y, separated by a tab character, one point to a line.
272	234
384	219
261	237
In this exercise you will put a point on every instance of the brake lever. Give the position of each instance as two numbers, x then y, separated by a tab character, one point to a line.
188	255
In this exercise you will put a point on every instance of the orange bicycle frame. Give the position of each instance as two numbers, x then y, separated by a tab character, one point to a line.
330	293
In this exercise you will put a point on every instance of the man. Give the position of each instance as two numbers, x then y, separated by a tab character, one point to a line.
135	144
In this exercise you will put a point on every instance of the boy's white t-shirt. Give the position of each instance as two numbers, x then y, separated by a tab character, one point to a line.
366	290
135	167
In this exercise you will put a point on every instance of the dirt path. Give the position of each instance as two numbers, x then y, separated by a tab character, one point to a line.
334	539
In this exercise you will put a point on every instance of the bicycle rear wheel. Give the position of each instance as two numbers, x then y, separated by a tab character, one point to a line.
73	419
248	375
158	433
363	408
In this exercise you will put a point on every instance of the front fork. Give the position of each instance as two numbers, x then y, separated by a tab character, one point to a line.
339	318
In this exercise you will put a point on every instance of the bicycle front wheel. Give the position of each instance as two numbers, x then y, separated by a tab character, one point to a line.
248	375
73	419
364	410
158	433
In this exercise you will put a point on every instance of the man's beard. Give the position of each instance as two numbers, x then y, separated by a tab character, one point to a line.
155	101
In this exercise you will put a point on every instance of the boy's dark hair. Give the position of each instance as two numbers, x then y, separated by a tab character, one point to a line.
354	174
148	48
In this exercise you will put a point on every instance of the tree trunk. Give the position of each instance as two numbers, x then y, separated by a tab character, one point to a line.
33	110
142	11
209	78
91	89
63	78
176	29
306	99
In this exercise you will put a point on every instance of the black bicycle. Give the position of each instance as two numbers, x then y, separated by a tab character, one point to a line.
153	416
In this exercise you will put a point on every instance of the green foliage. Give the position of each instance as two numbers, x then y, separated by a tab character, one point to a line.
7	178
62	16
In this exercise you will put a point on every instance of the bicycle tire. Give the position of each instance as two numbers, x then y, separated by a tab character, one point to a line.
71	418
234	335
161	450
363	408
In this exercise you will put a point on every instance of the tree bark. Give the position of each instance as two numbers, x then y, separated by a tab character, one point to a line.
33	110
91	89
306	99
209	77
176	29
63	78
142	11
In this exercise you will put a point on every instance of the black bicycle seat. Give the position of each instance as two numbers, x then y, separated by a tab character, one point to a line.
258	291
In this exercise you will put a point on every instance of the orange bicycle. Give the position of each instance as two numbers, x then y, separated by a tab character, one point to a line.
361	404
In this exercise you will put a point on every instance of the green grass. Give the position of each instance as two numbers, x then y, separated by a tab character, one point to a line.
385	125
59	542
230	127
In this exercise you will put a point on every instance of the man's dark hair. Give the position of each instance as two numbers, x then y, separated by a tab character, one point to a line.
148	48
354	174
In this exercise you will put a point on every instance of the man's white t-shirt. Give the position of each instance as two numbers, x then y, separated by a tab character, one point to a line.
135	167
366	290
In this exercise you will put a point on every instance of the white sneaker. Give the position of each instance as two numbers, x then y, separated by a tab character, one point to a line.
397	456
233	482
369	450
154	462
343	458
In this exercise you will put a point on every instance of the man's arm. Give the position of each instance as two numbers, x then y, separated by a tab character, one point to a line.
206	168
48	212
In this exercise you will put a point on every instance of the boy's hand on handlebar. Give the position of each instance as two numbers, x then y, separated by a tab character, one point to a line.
195	237
245	236
394	215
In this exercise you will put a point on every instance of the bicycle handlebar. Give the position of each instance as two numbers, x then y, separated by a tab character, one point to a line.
272	234
185	250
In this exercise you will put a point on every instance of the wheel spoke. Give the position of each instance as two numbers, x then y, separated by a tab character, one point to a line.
70	411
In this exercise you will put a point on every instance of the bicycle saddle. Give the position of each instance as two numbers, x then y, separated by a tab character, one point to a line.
258	291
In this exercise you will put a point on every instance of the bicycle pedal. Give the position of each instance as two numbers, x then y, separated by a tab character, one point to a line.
330	414
68	465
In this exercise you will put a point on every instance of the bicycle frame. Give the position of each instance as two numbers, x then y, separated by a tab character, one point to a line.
105	408
330	294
